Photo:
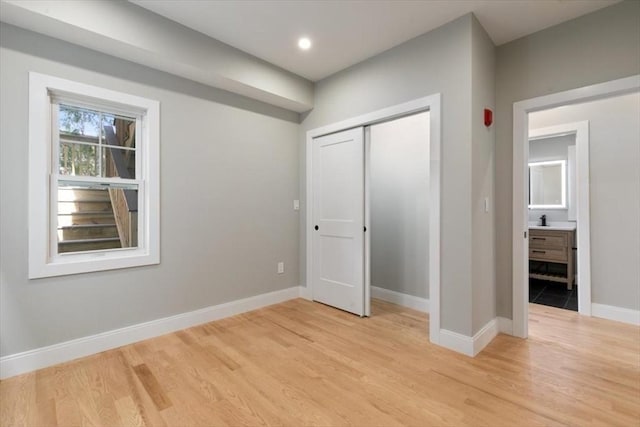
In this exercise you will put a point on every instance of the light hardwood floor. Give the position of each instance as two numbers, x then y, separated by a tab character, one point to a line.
300	363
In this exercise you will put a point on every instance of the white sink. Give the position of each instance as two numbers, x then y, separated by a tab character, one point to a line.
553	225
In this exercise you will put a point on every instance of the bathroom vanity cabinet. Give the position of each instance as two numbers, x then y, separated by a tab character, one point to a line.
552	252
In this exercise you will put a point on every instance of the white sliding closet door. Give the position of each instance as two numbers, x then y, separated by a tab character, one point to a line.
338	220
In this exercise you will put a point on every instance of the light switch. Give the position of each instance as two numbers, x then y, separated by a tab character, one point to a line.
486	204
296	205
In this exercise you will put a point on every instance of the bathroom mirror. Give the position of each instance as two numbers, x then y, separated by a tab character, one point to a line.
548	185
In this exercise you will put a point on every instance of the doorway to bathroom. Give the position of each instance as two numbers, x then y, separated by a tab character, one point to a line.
606	190
553	205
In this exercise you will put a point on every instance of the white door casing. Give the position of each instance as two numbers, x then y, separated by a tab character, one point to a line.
338	220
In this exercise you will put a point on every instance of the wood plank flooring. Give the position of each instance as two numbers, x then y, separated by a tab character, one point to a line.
300	364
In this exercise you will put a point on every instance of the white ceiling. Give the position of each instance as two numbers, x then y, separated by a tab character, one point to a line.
346	32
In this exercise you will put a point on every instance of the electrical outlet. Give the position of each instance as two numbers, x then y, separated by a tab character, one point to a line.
280	267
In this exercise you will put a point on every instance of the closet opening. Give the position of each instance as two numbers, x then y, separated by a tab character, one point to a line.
373	211
397	208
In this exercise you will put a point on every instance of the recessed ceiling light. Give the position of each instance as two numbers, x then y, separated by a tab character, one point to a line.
304	43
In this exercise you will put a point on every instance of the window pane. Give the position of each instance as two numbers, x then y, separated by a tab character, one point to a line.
78	159
119	131
78	121
96	217
118	163
118	154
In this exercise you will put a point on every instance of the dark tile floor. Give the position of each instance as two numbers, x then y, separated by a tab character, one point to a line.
553	294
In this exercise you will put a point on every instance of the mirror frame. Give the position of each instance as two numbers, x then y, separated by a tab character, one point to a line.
563	164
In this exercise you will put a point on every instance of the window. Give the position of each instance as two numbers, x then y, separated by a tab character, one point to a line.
93	178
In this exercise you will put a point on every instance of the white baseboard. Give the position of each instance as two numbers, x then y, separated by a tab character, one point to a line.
619	314
456	342
305	293
505	326
20	363
409	301
470	346
485	335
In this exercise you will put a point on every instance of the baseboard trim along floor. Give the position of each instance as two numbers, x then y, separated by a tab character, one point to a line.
620	314
470	346
405	300
38	358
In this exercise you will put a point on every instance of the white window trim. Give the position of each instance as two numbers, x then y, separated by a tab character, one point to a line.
41	264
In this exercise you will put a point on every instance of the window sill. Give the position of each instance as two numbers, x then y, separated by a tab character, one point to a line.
76	263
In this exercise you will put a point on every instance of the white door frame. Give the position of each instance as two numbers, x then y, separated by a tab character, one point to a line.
521	109
431	103
583	217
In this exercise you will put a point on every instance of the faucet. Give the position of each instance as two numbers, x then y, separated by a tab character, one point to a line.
543	220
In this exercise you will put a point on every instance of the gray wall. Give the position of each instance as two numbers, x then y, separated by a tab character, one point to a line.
555	148
483	283
399	208
614	172
229	173
591	49
437	62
